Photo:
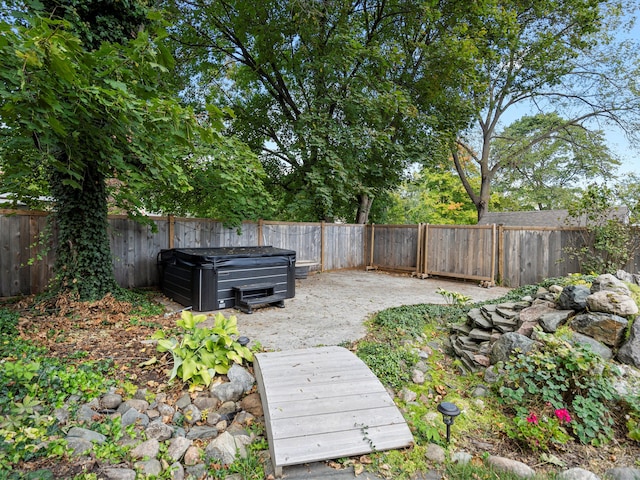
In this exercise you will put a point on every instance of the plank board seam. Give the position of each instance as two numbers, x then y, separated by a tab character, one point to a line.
336	407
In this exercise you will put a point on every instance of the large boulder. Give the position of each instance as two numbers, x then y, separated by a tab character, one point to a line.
612	302
629	353
610	283
604	327
530	316
574	297
508	344
597	347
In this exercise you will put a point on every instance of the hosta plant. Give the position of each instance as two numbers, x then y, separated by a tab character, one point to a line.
201	352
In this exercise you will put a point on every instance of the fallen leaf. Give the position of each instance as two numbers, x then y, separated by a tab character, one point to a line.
358	469
149	362
366	460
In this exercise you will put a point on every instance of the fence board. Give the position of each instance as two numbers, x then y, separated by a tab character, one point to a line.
526	255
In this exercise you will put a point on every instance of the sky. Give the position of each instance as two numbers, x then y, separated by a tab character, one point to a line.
627	154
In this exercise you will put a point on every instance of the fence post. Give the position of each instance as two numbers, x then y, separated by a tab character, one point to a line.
172	226
419	251
322	245
500	253
494	247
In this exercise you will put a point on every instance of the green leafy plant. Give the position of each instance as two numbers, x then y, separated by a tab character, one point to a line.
203	352
560	374
541	431
453	298
389	364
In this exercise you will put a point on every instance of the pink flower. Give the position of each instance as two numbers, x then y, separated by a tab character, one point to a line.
532	418
563	415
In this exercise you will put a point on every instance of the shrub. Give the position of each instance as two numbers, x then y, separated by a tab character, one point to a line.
562	376
202	352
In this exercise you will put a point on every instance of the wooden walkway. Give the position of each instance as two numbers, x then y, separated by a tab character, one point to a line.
324	403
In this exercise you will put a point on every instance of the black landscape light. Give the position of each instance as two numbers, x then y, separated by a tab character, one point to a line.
244	341
449	412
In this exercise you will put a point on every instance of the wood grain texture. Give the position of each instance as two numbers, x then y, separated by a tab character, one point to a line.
324	403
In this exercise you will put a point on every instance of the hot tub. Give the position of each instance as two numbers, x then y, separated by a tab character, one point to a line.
204	278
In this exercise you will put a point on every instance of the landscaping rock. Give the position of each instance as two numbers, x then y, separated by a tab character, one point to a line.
89	435
574	297
183	401
511	466
435	453
150	468
603	327
111	401
178	447
240	375
206	403
192	414
159	430
629	353
612	302
628	277
578	474
461	458
85	414
139	405
608	282
148	449
508	344
529	317
202	433
223	449
79	446
118	474
550	322
227	391
597	347
133	416
622	473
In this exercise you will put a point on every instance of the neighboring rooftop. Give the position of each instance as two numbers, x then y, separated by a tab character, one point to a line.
544	218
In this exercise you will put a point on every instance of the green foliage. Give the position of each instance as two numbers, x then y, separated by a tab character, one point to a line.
433	195
453	298
547	160
402	321
321	91
8	323
249	468
561	376
545	56
87	117
203	352
538	431
389	363
610	240
32	386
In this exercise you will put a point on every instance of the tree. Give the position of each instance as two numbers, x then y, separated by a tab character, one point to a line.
610	238
549	55
546	161
89	117
432	195
321	90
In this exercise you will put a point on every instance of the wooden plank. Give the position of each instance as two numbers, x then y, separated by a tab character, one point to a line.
324	403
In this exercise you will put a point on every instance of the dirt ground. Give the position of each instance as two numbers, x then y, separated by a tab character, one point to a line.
330	308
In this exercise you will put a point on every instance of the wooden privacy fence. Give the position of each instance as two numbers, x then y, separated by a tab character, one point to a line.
135	247
511	256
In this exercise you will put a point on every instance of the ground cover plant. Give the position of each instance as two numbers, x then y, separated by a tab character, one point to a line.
59	347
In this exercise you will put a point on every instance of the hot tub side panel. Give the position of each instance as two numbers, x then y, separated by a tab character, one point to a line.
209	286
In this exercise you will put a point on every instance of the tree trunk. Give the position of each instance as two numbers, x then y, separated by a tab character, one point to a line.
364	208
83	253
